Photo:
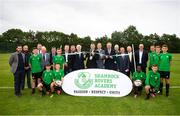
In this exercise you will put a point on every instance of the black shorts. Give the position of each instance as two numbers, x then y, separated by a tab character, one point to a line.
165	74
47	87
58	88
151	89
36	75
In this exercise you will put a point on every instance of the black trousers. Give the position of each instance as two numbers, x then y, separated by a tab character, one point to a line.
18	78
26	74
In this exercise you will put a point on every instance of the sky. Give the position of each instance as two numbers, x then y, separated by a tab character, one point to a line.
94	18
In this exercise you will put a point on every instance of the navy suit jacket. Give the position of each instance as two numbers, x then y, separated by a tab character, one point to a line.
122	63
91	63
78	62
110	63
144	58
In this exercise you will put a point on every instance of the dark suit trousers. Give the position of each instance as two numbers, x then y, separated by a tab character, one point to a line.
27	74
18	78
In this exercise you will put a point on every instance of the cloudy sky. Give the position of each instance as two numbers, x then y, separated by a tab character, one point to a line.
91	17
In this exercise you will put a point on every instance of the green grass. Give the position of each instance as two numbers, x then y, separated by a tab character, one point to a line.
66	104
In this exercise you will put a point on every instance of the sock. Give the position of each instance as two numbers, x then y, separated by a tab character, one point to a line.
161	87
167	89
33	90
148	95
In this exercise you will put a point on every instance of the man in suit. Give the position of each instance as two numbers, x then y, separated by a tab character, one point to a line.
68	60
27	67
39	47
141	57
123	62
78	59
16	61
51	55
91	57
100	58
131	60
109	61
45	57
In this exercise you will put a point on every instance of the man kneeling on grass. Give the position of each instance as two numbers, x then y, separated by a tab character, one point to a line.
58	79
47	79
152	82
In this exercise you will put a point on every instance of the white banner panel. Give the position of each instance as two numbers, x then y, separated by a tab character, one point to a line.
97	82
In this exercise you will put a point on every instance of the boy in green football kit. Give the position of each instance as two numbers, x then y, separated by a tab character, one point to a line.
139	75
153	57
164	68
58	76
59	59
47	79
152	82
35	64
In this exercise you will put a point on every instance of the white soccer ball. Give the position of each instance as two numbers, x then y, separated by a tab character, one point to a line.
137	83
58	82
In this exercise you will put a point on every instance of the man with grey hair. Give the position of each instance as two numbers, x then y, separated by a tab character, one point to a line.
101	56
141	57
131	60
45	57
78	59
109	60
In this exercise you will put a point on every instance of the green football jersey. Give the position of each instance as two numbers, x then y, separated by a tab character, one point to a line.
58	74
47	77
164	62
153	79
59	60
153	58
35	62
139	76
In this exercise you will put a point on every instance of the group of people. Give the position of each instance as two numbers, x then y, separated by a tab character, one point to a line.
48	69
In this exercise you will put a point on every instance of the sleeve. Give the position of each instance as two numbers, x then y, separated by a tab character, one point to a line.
53	72
63	60
11	60
170	57
43	75
40	57
30	60
127	61
147	58
144	77
53	61
133	77
62	73
147	79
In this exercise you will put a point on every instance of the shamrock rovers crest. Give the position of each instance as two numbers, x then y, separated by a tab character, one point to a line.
83	80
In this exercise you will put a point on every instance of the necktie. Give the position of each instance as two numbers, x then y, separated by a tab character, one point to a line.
44	57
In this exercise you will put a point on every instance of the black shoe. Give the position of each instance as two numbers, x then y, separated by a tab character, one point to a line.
147	97
19	94
33	91
167	94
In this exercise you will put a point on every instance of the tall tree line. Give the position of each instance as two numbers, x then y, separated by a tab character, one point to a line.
12	37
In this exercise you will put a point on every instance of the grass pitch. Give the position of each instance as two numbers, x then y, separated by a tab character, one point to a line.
65	104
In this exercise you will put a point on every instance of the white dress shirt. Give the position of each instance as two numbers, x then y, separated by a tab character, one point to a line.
140	56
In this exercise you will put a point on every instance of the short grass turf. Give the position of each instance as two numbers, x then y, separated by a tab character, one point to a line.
66	104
